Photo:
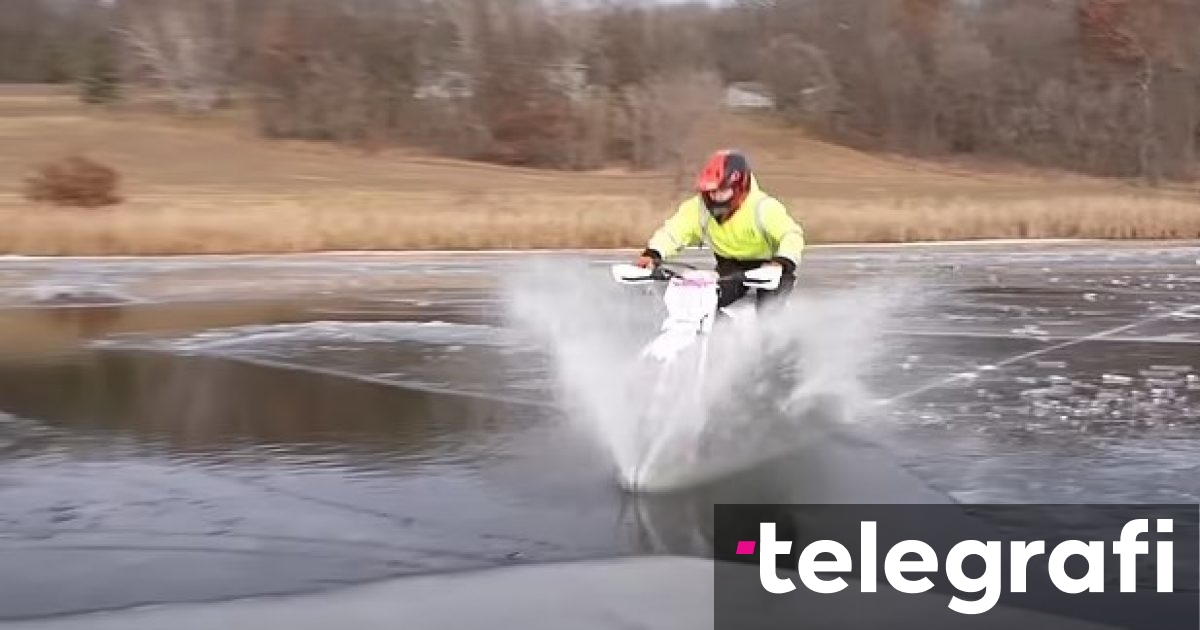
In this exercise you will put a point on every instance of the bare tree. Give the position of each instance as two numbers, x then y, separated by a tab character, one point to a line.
1151	45
187	46
963	71
1110	87
801	79
663	115
45	42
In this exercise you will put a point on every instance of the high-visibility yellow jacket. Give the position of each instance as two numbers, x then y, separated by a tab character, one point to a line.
760	229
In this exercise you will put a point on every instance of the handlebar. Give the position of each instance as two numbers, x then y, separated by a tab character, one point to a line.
663	272
667	272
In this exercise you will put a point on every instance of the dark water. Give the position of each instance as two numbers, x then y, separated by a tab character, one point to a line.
200	429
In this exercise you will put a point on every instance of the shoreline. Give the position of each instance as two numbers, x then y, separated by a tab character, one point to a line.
485	252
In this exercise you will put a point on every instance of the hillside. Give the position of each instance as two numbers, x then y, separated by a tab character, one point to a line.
213	186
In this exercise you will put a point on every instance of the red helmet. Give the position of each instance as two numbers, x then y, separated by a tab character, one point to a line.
724	182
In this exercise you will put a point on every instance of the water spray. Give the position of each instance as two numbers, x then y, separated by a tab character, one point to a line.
753	401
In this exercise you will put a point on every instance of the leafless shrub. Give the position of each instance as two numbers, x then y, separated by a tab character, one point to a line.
74	181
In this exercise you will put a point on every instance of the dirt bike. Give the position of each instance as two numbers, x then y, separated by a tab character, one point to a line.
676	360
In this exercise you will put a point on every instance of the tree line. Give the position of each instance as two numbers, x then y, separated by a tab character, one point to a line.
1107	87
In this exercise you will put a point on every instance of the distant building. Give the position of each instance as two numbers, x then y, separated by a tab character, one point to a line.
446	86
570	78
742	96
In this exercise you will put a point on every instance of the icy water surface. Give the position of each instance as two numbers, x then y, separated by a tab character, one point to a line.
196	429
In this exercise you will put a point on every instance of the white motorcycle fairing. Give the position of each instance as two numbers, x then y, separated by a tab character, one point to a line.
691	299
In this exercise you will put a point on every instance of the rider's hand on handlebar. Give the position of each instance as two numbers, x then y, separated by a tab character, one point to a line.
649	259
730	284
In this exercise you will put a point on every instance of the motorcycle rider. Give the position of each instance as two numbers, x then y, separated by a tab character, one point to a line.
745	227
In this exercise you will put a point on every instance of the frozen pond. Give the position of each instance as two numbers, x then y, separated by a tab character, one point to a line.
198	429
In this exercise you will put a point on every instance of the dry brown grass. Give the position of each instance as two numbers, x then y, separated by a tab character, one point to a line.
331	221
1113	216
212	187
